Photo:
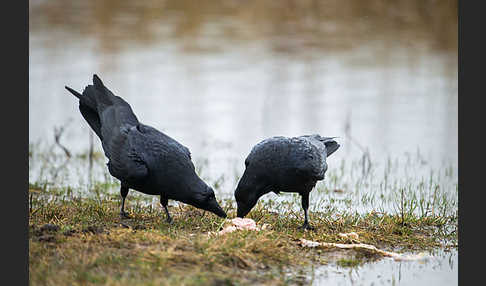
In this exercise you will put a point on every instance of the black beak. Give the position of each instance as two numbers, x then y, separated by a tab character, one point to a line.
242	210
215	208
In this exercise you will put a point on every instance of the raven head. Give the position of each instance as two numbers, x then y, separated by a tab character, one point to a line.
206	200
247	193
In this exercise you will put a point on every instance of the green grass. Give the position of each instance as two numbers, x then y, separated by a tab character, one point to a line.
93	246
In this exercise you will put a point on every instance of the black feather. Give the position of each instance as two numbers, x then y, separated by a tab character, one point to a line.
75	93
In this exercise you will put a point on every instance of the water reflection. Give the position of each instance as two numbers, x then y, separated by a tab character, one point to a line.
441	269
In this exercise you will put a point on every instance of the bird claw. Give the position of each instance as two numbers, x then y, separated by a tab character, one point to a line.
124	215
307	226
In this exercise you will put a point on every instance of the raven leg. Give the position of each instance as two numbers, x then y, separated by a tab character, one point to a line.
124	193
164	202
305	206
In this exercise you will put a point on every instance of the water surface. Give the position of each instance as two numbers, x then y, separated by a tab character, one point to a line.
220	78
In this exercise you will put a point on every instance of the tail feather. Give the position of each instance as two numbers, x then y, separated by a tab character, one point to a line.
331	147
331	144
92	118
75	93
95	99
88	108
97	82
102	95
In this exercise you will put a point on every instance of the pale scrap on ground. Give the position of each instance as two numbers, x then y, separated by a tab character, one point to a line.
250	224
396	256
351	235
241	224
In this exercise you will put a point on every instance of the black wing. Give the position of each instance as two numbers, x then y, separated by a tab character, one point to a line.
310	162
160	139
125	153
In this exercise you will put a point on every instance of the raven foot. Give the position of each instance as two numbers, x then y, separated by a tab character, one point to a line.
124	215
307	226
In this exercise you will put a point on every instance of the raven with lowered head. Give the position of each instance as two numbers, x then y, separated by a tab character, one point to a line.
140	156
281	164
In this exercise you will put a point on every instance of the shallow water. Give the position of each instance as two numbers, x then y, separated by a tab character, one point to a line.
221	76
441	269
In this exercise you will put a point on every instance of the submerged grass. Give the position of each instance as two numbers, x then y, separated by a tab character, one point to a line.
80	240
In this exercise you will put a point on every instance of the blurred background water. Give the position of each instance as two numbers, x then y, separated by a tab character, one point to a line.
219	76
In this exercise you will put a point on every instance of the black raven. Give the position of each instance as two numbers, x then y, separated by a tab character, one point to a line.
140	156
284	164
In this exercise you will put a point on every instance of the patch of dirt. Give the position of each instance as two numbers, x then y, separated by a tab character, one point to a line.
93	229
45	229
69	232
47	238
49	228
